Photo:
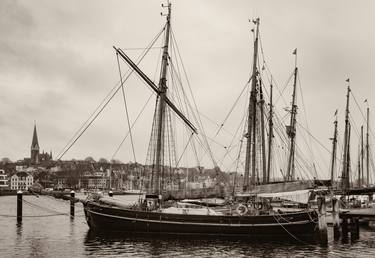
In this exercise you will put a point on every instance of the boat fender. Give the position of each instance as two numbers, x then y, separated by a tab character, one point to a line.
241	209
258	206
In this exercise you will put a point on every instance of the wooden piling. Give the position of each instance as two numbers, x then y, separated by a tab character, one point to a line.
354	228
344	228
72	200
323	237
336	218
110	194
19	206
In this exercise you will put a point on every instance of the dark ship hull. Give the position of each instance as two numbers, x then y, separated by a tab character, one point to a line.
110	219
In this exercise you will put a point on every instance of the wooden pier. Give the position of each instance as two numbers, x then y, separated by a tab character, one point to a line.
367	213
350	220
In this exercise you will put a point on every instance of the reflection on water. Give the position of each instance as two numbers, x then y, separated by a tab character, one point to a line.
167	246
60	236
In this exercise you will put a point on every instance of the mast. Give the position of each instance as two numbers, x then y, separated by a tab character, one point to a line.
334	150
359	166
270	136
161	106
345	171
291	129
367	150
362	152
264	162
251	121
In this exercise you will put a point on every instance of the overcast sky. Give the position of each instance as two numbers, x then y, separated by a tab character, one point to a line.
57	63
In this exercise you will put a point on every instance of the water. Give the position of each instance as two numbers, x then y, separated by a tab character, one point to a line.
61	236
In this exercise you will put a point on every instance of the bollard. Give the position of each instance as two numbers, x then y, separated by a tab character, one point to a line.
357	227
322	220
354	228
19	206
110	194
344	227
336	218
72	199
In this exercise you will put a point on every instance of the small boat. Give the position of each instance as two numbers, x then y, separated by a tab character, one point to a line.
129	192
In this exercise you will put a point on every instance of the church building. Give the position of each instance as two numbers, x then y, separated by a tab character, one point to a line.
36	157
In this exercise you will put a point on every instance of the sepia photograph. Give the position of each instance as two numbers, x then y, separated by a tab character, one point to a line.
187	128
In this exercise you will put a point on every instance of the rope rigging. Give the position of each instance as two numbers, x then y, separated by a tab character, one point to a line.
105	101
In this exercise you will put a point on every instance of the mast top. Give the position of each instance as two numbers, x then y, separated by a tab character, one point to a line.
168	14
295	57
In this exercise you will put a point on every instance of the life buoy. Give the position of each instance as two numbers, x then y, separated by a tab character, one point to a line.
259	206
241	209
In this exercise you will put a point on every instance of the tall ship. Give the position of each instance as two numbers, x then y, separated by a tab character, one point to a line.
249	215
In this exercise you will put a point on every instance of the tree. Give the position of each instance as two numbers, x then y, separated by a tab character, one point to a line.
5	160
90	159
116	161
103	160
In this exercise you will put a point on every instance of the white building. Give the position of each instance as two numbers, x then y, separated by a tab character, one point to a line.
21	181
3	179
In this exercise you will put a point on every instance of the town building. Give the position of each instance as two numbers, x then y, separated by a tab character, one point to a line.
3	180
97	180
21	181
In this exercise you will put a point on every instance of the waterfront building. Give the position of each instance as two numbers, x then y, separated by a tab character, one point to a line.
98	180
3	180
21	181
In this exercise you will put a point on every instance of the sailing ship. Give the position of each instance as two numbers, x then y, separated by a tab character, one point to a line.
251	217
345	187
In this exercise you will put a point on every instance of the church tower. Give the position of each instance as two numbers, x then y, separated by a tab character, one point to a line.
35	148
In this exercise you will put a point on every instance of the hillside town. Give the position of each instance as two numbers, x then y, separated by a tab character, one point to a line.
40	169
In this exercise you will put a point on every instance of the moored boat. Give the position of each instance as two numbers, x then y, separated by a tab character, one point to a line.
252	217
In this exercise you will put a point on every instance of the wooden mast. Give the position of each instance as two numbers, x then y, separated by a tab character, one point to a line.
367	150
264	162
334	151
359	165
161	107
291	129
362	153
270	136
345	171
251	122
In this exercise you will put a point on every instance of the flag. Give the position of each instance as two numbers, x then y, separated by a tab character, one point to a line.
295	51
347	80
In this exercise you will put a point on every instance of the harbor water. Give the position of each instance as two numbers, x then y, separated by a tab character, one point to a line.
47	230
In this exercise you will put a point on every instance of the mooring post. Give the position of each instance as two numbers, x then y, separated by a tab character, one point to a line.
19	206
357	227
354	228
344	228
322	220
110	194
72	200
336	218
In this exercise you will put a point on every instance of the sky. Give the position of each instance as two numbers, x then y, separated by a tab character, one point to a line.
57	63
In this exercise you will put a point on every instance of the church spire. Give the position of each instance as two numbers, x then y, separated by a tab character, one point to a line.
35	143
35	147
